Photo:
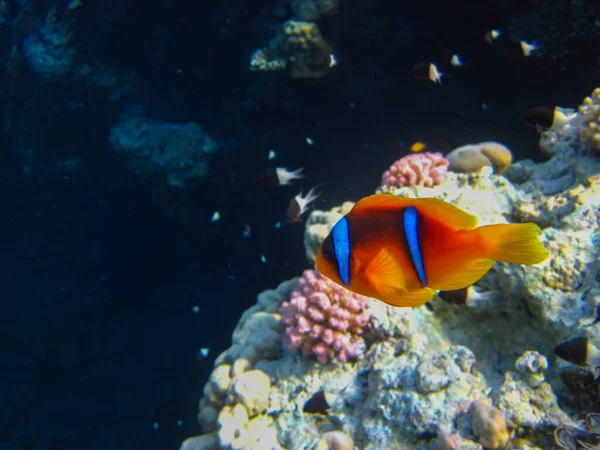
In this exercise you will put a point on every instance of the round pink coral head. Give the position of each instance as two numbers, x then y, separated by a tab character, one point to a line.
423	169
324	319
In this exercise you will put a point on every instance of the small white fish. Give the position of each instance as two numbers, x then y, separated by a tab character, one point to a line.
277	225
271	155
309	141
455	61
215	217
179	423
278	176
247	232
491	36
434	74
263	259
203	352
299	205
285	176
195	309
332	60
155	426
527	48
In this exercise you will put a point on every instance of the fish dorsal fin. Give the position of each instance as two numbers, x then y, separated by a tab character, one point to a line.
412	298
463	275
453	216
384	274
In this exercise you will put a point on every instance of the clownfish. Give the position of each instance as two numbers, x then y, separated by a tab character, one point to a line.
403	250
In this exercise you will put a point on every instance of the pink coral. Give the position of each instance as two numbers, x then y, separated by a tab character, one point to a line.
324	319
423	169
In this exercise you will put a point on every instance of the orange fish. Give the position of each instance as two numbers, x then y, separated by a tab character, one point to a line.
403	250
417	147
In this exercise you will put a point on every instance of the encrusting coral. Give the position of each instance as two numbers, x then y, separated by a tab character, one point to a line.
590	108
489	425
473	157
324	319
309	55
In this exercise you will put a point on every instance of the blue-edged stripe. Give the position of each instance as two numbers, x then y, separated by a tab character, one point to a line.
411	230
341	247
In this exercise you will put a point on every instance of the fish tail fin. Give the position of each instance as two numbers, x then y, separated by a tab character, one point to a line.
513	243
296	174
311	195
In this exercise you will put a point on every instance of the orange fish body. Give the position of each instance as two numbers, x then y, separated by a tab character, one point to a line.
402	251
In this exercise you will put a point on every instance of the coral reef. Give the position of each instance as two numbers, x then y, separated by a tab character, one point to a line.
423	169
177	155
469	375
306	50
324	319
300	46
473	157
590	110
48	50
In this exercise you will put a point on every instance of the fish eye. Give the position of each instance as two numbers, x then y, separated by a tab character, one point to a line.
328	250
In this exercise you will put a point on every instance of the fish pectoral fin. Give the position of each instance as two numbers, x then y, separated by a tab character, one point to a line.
463	275
411	298
384	274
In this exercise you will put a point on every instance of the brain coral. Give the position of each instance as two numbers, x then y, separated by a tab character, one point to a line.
324	319
423	169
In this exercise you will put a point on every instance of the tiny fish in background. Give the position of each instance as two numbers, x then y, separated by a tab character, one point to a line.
427	71
215	217
455	61
418	147
491	36
299	205
527	49
579	351
279	176
247	232
332	61
552	118
309	141
202	353
402	250
271	155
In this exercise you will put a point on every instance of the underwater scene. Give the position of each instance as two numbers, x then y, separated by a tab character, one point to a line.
300	225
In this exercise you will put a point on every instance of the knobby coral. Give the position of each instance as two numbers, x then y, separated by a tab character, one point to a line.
423	169
324	319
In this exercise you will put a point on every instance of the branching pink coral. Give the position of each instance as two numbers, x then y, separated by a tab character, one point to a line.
423	169
324	319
